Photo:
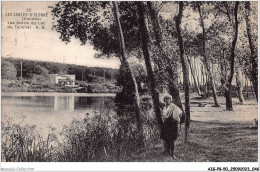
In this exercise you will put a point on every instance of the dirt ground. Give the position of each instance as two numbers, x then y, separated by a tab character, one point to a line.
215	135
245	113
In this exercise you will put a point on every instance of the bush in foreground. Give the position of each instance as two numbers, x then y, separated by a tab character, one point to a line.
102	136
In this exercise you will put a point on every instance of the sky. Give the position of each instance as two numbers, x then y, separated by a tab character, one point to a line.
43	44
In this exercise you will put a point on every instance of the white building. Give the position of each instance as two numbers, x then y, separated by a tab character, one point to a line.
62	80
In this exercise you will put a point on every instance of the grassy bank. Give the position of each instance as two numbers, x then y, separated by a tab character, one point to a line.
26	86
98	140
215	135
211	142
100	136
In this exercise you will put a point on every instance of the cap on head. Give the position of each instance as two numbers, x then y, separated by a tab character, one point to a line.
167	97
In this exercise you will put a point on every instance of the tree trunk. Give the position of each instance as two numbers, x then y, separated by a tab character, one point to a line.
173	84
228	100
229	105
207	86
240	86
223	78
127	67
247	90
252	89
203	78
253	48
193	76
194	66
185	70
214	92
197	72
145	50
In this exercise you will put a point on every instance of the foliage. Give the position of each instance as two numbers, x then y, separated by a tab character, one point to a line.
100	136
24	144
31	67
40	80
218	19
126	96
94	22
8	70
41	71
90	139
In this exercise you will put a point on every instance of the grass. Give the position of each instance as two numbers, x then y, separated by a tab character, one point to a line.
215	135
210	142
99	137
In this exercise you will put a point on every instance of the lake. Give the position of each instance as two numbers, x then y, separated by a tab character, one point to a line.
51	109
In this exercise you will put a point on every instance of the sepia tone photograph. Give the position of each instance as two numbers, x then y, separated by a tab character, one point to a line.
125	81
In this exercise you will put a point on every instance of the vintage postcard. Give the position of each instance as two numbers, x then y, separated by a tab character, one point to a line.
125	81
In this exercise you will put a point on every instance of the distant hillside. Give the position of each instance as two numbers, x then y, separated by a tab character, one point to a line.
30	67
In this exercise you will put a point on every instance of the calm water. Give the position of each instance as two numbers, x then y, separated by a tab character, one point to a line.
55	109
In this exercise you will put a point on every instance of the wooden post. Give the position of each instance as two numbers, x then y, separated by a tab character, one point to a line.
21	70
104	76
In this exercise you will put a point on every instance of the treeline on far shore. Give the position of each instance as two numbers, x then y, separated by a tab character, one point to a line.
20	75
11	68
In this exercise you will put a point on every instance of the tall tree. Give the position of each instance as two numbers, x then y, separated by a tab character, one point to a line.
229	105
193	71
205	56
232	15
240	85
253	48
185	69
172	84
95	22
127	68
146	55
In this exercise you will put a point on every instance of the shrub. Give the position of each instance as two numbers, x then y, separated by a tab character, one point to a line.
8	70
39	70
24	144
101	136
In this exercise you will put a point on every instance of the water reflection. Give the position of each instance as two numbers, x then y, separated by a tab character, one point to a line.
85	102
54	110
57	102
64	103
